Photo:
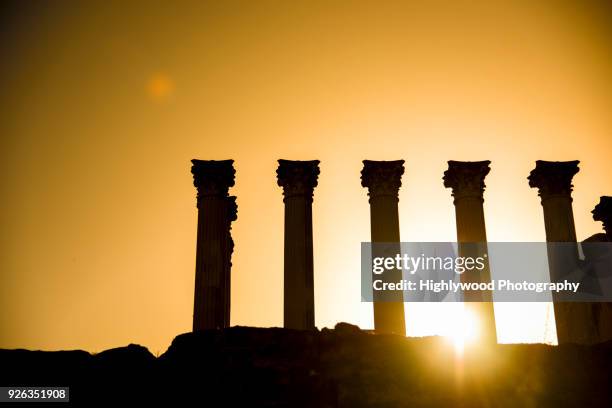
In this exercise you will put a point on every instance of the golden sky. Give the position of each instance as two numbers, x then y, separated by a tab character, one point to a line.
103	104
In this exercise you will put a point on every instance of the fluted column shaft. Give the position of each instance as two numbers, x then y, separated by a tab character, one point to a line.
466	179
216	211
383	180
298	180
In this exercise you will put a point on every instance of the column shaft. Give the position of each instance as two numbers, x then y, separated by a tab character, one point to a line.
298	264
559	219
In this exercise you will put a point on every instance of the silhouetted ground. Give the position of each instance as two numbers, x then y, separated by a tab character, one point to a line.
345	367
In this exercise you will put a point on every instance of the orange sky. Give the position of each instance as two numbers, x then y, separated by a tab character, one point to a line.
104	104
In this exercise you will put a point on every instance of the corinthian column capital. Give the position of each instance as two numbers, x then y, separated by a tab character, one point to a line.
603	212
297	177
382	178
466	179
553	178
213	177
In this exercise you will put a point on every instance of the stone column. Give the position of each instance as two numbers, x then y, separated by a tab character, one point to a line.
383	180
216	211
574	321
598	247
466	179
298	180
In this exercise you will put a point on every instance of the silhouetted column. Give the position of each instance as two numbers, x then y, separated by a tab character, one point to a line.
595	251
603	212
574	321
216	211
466	179
383	180
298	180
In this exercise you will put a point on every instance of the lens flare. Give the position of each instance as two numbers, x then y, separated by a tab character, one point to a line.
160	87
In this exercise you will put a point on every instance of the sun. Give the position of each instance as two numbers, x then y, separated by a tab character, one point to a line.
463	329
